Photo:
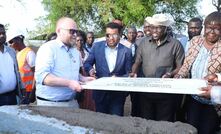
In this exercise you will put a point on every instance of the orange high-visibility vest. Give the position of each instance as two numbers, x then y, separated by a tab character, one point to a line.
27	76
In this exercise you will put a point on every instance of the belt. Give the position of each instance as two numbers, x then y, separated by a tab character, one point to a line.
8	93
52	100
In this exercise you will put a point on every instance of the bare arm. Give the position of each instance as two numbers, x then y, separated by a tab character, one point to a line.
171	74
134	71
52	80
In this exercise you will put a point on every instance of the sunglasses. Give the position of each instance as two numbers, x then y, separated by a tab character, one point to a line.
112	35
71	31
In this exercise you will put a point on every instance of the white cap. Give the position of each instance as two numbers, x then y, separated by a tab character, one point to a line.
13	34
147	19
161	19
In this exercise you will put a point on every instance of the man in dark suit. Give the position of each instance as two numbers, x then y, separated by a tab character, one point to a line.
111	59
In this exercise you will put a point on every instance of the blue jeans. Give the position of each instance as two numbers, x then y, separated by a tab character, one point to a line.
111	105
8	98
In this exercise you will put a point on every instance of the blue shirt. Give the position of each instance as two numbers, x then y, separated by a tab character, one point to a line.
7	71
216	94
55	58
200	70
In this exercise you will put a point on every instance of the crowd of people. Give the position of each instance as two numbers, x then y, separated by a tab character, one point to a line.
53	76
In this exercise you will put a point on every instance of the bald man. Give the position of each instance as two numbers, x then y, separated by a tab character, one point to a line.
57	68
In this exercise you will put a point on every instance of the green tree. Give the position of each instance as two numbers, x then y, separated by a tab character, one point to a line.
94	14
217	4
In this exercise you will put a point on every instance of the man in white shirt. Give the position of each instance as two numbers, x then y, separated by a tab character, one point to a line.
57	68
10	81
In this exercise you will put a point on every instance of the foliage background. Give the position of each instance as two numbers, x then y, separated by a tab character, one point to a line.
92	15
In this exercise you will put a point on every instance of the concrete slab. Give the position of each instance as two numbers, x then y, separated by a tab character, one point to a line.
51	120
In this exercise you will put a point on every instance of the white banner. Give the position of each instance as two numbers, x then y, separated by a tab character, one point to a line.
154	85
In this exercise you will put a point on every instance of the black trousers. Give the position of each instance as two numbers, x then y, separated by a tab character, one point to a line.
202	116
111	105
158	108
8	98
135	104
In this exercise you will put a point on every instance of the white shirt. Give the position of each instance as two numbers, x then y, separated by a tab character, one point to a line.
54	58
132	47
216	94
111	57
199	68
7	72
187	47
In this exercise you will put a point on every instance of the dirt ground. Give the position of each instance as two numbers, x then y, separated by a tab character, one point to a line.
127	107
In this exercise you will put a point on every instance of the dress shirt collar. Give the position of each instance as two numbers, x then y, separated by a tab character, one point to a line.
5	49
61	44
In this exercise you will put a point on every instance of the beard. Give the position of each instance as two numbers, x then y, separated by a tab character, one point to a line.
191	35
2	41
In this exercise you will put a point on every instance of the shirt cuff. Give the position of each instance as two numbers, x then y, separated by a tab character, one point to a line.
219	77
216	94
41	78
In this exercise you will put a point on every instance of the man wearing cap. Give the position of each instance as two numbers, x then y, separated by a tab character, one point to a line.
146	30
57	68
146	26
26	63
10	81
159	56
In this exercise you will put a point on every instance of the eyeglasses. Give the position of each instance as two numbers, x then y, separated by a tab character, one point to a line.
210	29
71	31
112	35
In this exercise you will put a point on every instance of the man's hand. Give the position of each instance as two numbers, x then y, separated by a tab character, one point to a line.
92	73
207	91
177	76
167	75
85	79
134	75
75	85
211	78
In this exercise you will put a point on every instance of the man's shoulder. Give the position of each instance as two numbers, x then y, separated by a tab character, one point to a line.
144	40
174	41
10	50
123	46
49	45
99	44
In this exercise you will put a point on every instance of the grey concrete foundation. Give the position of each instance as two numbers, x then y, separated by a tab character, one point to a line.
53	120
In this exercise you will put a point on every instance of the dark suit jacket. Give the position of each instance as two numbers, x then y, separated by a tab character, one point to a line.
122	67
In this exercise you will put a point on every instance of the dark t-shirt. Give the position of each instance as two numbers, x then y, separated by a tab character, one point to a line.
156	59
